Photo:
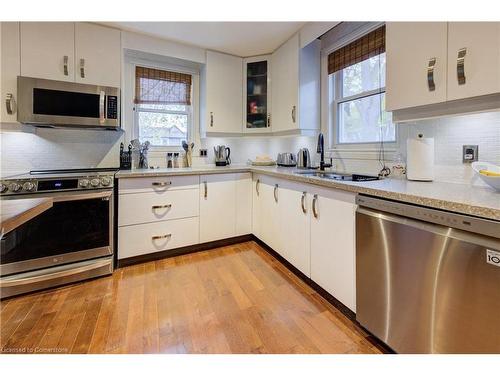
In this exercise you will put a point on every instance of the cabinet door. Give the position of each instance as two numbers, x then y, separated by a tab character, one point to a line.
333	243
97	55
224	95
48	50
410	46
10	66
256	207
285	86
256	94
243	182
217	207
294	225
481	63
269	195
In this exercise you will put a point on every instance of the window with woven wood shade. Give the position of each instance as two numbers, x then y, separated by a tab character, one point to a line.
369	45
156	86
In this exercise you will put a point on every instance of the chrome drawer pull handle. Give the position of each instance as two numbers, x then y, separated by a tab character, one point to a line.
275	191
315	213
161	236
10	104
205	195
430	74
302	202
211	119
257	186
161	206
461	66
162	183
294	109
65	65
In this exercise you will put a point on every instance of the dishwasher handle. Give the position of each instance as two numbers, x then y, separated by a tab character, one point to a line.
457	234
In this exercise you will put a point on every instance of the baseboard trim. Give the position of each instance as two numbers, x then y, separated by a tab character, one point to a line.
184	250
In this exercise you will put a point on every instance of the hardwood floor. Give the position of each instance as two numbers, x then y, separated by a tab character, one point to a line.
234	299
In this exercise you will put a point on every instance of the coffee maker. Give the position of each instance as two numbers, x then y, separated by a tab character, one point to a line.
222	155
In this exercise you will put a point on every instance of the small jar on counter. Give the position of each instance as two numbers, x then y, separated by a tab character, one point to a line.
170	163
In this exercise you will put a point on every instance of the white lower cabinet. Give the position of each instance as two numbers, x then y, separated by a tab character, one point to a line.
149	238
313	228
225	206
294	225
333	250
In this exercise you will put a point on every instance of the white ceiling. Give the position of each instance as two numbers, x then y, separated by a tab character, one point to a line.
236	38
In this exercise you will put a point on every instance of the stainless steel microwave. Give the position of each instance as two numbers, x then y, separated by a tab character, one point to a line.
43	102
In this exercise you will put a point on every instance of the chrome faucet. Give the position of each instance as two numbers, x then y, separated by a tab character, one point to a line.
321	150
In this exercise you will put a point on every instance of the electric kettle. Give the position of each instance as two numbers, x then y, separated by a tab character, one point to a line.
222	155
303	159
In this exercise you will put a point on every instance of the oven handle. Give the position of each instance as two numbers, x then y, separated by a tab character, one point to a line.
50	276
83	196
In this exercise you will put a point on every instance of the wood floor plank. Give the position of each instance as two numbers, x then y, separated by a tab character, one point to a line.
234	299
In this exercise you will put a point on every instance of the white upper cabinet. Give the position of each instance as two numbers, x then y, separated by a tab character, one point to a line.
75	52
223	93
432	65
10	66
48	50
416	64
295	84
285	85
97	55
257	94
479	42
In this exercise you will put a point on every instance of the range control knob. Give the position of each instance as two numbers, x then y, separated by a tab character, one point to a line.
84	183
95	182
28	186
3	188
105	181
15	187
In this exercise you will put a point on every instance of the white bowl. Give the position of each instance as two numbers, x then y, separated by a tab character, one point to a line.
493	181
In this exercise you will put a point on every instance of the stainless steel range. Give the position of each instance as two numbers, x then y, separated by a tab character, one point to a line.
71	241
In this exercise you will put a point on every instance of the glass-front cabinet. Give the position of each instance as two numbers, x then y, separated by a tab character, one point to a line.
257	94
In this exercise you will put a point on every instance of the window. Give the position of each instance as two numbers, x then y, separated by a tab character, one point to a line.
357	93
163	110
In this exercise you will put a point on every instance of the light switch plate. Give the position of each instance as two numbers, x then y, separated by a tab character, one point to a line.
470	153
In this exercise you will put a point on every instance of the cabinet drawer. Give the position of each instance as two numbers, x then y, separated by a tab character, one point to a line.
150	207
157	184
139	239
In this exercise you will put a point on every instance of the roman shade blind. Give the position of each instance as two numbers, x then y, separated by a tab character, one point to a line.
156	86
369	45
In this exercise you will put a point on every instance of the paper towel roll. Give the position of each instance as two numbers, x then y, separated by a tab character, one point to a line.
420	159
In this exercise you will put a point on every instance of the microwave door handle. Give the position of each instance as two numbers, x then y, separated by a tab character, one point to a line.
102	99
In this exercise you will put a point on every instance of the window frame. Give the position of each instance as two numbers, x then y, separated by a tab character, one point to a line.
367	150
193	108
336	80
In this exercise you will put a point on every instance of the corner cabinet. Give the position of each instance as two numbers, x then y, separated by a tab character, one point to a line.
225	206
295	74
74	52
223	96
257	94
438	68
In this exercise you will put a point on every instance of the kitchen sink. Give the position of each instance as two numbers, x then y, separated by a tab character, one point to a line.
337	176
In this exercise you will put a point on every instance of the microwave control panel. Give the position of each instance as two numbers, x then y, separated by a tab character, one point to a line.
112	107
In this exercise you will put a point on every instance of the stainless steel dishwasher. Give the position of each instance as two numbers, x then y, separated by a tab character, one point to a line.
428	281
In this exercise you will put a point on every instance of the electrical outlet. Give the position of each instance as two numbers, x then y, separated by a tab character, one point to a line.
203	152
470	153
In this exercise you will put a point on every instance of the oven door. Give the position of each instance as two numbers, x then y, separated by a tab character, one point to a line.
46	102
78	227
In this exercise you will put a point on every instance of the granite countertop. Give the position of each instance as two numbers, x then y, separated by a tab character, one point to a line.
478	201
